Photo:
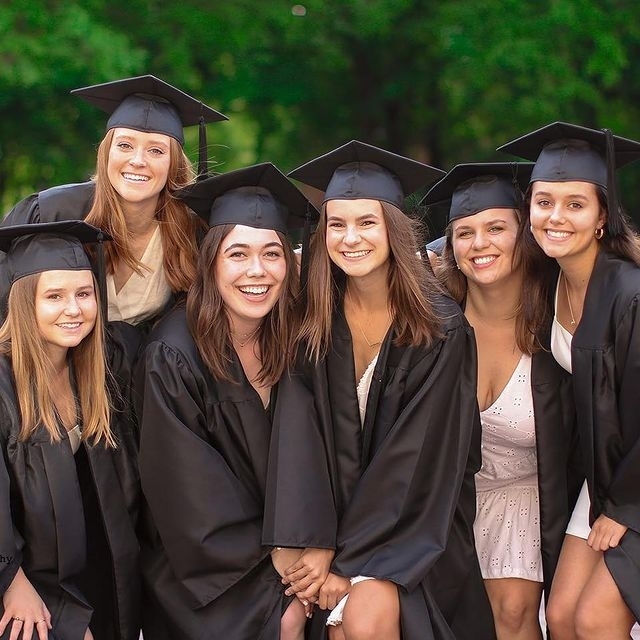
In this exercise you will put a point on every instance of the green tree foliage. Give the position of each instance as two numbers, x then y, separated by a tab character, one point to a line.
443	82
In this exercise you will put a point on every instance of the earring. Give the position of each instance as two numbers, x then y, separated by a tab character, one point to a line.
598	233
531	228
457	266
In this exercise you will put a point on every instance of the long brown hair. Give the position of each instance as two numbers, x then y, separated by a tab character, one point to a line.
209	323
412	287
32	370
532	312
178	225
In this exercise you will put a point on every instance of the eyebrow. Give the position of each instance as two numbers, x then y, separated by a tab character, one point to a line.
364	216
240	245
570	195
84	287
486	224
128	138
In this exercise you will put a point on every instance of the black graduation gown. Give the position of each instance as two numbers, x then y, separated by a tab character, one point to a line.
385	495
605	355
68	520
560	471
203	459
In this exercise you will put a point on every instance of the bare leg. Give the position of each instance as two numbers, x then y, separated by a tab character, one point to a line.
372	611
515	604
601	612
293	622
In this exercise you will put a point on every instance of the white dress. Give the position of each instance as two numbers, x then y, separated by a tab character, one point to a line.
561	349
507	526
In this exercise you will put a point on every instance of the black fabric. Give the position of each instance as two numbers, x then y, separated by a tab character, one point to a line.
203	460
386	495
605	355
44	520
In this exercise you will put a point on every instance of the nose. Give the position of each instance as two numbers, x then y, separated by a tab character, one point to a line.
256	268
137	159
72	308
351	236
480	240
557	215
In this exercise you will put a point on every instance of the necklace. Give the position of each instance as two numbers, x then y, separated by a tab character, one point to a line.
566	288
248	337
364	335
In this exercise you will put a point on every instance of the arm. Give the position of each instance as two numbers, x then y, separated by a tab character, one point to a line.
209	524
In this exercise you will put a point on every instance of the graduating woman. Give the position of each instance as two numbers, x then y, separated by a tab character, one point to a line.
68	547
372	435
210	373
140	165
529	480
575	218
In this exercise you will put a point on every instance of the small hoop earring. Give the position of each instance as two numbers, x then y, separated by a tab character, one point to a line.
531	229
599	232
457	266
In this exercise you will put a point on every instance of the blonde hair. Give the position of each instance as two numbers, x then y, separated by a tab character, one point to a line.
178	224
412	288
33	370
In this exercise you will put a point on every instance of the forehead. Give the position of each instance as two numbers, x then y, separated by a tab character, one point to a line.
120	133
486	216
573	187
65	279
357	207
252	236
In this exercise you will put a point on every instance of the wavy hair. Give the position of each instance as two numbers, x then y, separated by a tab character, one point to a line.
412	287
209	323
179	226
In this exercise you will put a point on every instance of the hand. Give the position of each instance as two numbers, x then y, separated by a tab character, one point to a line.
333	590
283	557
25	610
308	573
605	533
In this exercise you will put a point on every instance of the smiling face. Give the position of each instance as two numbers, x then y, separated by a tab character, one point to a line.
484	244
356	237
138	165
250	269
564	217
66	309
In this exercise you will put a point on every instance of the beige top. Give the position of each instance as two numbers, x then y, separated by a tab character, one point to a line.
143	294
75	438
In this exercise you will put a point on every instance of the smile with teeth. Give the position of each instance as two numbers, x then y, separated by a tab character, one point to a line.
356	254
560	235
135	177
69	325
481	260
255	290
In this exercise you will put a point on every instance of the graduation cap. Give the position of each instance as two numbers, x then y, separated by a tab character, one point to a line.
146	103
566	152
51	246
358	170
475	187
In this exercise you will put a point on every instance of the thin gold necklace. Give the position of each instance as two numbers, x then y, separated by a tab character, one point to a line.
566	288
371	344
247	337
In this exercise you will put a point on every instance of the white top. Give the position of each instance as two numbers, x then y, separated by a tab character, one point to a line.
362	389
560	338
143	294
75	438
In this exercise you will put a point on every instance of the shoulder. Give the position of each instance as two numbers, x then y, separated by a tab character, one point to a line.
450	313
66	202
615	284
171	334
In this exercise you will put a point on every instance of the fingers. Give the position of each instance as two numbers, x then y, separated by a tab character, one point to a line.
27	630
16	627
42	627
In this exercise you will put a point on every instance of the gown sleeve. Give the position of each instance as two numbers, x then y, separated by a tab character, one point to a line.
399	517
209	524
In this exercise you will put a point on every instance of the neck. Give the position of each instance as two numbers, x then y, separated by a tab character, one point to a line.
140	218
578	270
497	303
368	294
245	331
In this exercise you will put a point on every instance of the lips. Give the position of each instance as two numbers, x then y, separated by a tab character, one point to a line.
134	177
69	325
356	254
482	261
555	234
254	290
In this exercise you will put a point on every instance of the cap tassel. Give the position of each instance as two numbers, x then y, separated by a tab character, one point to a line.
516	185
202	149
613	219
102	277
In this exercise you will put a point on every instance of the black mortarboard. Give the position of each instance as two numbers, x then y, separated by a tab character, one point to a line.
49	246
358	170
475	187
257	196
565	152
146	103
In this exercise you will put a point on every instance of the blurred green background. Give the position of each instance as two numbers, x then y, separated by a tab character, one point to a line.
443	82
